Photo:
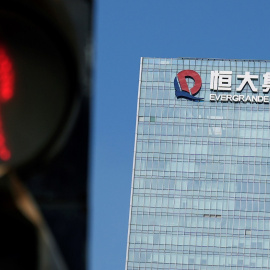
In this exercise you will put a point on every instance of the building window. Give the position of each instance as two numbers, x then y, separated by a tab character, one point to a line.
152	119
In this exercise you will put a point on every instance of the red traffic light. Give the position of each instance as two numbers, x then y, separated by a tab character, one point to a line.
39	86
6	93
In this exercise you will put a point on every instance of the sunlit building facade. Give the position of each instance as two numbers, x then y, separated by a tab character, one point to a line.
200	195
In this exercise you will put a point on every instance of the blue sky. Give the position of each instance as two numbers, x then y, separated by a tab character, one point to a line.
126	30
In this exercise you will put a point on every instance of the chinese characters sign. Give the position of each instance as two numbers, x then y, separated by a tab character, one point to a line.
222	81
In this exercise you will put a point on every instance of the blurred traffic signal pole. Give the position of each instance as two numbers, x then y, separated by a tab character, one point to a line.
44	133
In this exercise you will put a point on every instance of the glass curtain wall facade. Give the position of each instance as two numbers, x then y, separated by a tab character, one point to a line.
200	195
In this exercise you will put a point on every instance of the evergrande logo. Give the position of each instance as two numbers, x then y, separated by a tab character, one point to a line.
181	87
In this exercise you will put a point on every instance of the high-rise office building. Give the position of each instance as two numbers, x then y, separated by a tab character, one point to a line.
200	194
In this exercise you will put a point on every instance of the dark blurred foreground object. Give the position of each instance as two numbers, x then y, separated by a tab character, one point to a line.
44	120
26	241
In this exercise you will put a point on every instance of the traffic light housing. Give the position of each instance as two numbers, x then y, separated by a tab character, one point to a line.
39	81
44	109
